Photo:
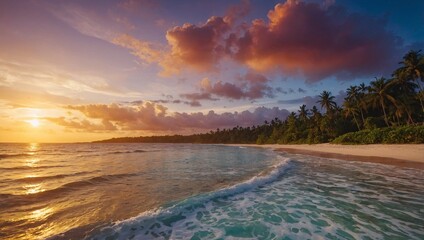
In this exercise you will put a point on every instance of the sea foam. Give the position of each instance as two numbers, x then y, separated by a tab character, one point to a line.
159	223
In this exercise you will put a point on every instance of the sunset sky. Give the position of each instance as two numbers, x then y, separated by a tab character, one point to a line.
75	71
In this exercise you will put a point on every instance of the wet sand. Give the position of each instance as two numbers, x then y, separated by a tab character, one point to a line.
402	155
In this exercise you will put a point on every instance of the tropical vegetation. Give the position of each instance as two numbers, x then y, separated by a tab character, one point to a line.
387	110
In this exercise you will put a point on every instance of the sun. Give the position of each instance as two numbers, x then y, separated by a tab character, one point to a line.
34	122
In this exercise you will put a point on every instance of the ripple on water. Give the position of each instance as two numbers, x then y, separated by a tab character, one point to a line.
303	202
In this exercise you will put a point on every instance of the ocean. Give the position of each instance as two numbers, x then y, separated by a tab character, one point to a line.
191	191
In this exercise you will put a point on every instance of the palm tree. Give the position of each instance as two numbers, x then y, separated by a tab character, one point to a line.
379	94
303	113
412	70
355	95
316	115
350	109
363	88
352	93
314	111
327	101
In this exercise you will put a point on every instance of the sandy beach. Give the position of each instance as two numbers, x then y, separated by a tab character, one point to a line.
403	155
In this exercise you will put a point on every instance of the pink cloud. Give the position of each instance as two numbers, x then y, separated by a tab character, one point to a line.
155	117
250	86
198	96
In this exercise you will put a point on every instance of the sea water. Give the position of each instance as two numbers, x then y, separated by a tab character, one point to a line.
188	191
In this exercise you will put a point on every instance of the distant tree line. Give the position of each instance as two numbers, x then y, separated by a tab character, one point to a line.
397	102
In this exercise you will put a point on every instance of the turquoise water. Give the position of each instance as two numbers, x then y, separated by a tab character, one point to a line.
302	198
188	191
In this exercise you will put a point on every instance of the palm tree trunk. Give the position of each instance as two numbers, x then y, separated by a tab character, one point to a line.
419	95
362	115
398	120
410	120
384	112
357	124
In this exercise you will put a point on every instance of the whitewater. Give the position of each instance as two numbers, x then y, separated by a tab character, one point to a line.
189	191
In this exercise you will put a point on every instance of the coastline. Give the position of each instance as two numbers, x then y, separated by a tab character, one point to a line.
401	155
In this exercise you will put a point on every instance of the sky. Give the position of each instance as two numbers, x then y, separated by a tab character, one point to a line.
73	71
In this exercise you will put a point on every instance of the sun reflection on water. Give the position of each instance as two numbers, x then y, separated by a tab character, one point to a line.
33	188
41	213
32	162
31	175
33	147
43	230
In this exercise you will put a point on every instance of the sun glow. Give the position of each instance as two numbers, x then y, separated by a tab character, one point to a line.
34	122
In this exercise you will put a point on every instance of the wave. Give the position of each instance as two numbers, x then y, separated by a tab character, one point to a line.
97	154
2	156
162	219
42	178
33	154
28	167
123	152
9	200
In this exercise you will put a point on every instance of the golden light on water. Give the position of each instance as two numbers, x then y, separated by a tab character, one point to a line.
33	188
41	213
32	147
32	162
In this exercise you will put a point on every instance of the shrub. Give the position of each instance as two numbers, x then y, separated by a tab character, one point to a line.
403	134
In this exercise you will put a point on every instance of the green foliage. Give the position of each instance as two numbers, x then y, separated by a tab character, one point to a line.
386	111
373	123
388	135
261	139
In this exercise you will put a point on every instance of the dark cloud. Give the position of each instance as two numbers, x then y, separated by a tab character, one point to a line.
281	90
301	90
169	99
304	37
307	38
198	96
250	86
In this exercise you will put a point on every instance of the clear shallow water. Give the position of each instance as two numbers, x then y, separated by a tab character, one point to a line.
50	189
312	198
141	191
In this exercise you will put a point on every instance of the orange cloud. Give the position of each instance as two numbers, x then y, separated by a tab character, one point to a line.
198	46
144	50
83	125
189	45
201	47
34	98
305	38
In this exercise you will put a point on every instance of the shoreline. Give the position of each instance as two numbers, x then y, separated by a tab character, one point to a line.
401	155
